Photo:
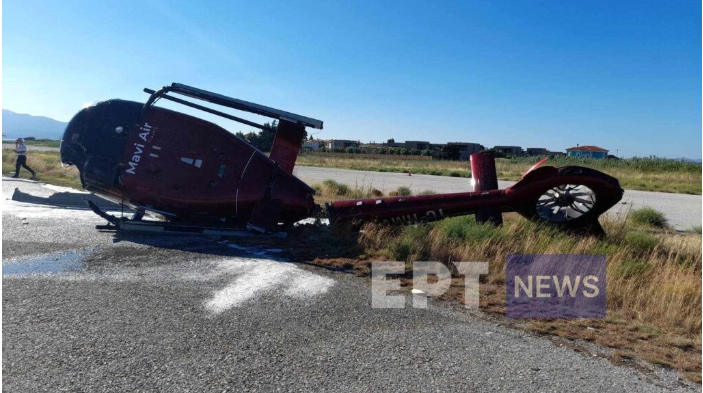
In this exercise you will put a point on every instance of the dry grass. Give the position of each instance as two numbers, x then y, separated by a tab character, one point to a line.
653	286
633	174
653	276
47	164
330	190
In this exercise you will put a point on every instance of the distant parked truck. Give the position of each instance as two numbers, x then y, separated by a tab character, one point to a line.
587	152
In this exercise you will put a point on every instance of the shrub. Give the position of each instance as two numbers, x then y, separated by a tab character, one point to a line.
648	217
404	191
336	188
375	193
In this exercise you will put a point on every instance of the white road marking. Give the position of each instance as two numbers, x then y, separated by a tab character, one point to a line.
247	277
257	276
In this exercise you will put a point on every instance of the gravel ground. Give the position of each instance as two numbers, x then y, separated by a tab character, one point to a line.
91	311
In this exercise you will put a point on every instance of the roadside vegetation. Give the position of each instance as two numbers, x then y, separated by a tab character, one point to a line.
647	216
644	174
653	276
43	142
330	190
47	164
37	142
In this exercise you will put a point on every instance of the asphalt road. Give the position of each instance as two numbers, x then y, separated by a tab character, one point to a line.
91	311
682	211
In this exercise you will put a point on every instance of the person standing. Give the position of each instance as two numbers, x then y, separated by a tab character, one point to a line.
21	150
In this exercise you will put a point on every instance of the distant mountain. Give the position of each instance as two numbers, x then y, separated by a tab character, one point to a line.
18	125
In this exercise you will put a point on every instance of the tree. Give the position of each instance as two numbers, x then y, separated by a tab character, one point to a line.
451	152
263	140
391	140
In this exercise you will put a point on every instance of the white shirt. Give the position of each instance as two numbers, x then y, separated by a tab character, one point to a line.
21	149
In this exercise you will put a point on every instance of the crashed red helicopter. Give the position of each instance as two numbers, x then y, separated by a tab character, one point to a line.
203	179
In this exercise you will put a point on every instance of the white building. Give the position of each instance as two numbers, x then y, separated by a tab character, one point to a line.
314	144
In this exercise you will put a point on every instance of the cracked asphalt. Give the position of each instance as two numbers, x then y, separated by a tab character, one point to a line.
93	311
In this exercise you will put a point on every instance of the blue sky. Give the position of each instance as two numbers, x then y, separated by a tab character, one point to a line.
624	75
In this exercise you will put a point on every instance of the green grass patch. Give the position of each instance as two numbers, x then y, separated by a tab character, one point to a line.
43	142
646	216
641	241
404	191
467	229
409	243
47	164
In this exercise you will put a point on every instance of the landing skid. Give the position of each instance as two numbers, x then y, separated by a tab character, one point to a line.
131	225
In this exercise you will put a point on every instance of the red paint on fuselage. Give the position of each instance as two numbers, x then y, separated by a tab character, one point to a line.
194	170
